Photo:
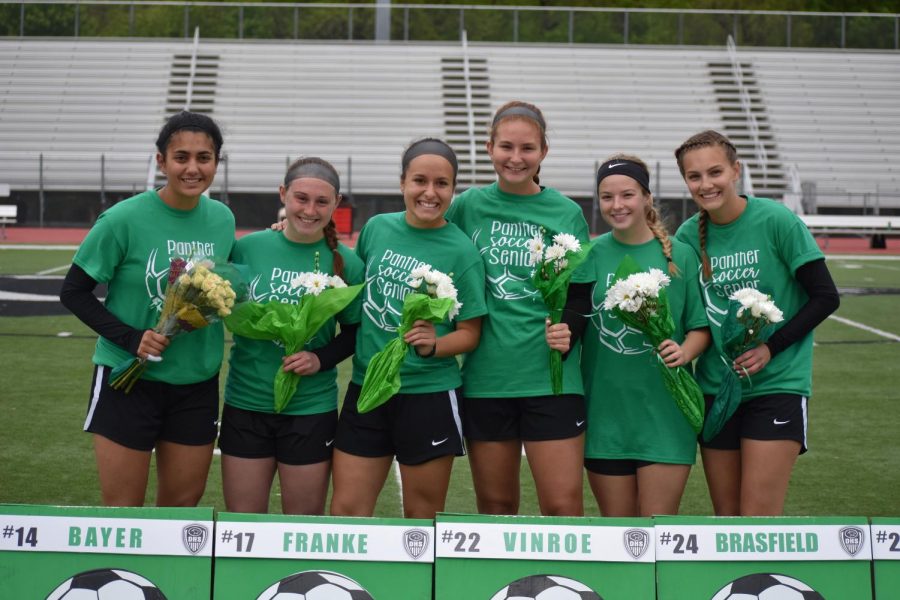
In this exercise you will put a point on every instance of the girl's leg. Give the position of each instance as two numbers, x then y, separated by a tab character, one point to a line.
304	488
660	487
617	495
181	472
357	482
495	474
247	482
556	467
123	472
723	477
425	487
766	472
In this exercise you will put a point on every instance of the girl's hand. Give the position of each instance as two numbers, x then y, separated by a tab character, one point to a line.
672	354
302	363
278	225
152	346
558	336
422	337
752	361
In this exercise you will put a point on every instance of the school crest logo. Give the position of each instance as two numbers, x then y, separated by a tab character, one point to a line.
852	539
636	542
415	542
194	537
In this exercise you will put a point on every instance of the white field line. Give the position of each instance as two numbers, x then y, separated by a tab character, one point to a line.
864	327
54	269
399	479
21	297
862	257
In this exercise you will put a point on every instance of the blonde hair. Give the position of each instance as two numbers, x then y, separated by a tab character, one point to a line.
654	220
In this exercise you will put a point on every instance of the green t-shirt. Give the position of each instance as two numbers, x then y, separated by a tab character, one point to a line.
631	414
390	249
129	248
762	248
512	336
273	262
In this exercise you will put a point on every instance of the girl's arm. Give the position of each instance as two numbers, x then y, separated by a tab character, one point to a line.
77	295
463	339
308	362
823	300
677	355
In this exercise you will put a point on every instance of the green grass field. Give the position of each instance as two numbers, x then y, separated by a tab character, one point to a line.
45	458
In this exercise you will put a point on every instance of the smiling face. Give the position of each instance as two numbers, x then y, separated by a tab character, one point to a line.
189	165
309	204
623	205
516	150
427	188
712	180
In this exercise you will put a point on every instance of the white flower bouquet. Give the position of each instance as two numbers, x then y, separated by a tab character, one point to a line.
434	298
638	298
199	292
554	266
750	321
322	296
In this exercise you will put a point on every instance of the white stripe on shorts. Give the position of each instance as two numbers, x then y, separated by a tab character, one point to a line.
803	400
95	396
454	408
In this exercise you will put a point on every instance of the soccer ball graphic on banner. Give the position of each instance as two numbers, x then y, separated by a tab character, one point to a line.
315	585
106	584
766	586
546	587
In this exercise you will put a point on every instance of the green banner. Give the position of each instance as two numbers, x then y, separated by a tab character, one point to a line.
58	553
785	557
500	558
263	557
886	554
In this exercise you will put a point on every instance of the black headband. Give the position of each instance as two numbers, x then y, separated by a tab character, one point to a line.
314	170
429	146
621	166
522	111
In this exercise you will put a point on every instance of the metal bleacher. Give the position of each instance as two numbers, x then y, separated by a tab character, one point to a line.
835	114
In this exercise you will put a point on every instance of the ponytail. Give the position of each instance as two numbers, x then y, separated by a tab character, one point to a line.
662	234
331	239
702	223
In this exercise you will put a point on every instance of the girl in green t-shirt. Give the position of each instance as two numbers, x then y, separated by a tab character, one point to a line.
421	424
744	242
174	407
297	442
639	447
508	397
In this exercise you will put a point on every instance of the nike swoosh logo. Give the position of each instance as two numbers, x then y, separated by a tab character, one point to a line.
777	422
615	165
439	442
329	443
579	423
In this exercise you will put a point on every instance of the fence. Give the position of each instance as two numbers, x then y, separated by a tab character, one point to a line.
422	22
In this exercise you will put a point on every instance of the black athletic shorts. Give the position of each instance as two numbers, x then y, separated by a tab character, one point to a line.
153	411
415	428
772	417
533	418
290	439
615	466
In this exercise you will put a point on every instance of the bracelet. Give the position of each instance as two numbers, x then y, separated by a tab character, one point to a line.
430	352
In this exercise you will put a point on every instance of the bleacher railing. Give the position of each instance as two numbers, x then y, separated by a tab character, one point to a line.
424	22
